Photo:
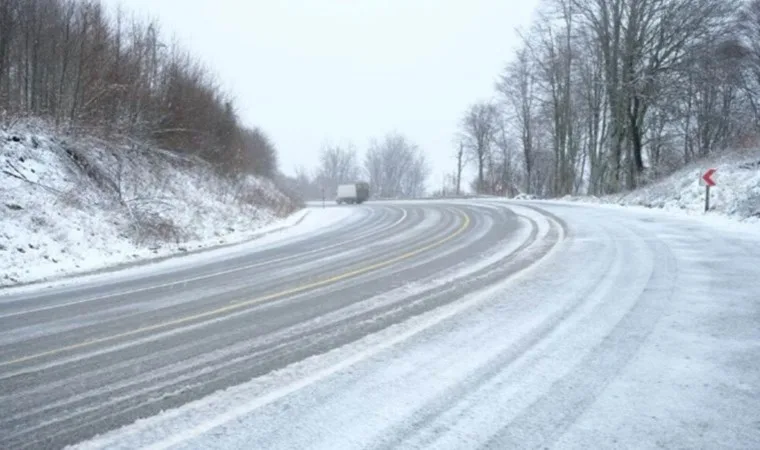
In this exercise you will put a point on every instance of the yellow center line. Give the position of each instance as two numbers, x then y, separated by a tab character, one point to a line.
236	306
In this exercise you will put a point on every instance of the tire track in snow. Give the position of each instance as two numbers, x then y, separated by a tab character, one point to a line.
447	310
542	420
273	278
125	400
580	329
431	258
545	420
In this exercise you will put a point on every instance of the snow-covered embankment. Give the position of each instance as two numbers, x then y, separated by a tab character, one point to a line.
736	194
73	205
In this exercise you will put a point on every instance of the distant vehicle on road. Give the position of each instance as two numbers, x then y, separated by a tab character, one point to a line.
354	193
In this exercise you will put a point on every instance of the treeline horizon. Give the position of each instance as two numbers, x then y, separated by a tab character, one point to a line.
604	96
393	165
88	71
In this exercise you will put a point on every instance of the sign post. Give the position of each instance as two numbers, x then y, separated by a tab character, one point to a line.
708	182
323	197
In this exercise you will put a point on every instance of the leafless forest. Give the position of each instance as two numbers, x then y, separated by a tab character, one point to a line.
601	96
89	72
607	95
394	166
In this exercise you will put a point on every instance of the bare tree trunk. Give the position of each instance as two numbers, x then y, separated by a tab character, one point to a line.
479	125
481	177
80	71
460	167
65	58
7	32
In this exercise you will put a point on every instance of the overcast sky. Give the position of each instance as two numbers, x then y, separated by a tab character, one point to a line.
313	71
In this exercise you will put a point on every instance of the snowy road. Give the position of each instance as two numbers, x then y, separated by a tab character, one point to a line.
409	325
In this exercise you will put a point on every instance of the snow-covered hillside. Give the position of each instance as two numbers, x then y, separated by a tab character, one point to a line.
737	193
72	205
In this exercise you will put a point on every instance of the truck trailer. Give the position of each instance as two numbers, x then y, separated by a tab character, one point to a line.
354	193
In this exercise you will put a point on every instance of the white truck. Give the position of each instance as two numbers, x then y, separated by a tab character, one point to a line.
354	193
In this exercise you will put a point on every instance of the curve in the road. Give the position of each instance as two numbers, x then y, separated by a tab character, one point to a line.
241	304
72	366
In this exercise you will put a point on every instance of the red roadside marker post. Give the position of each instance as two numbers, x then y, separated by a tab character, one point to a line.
707	180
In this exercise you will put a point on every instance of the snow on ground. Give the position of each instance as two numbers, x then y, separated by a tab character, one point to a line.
737	193
185	424
299	225
74	205
635	333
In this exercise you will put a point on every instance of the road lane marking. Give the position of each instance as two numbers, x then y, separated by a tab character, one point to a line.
235	306
204	276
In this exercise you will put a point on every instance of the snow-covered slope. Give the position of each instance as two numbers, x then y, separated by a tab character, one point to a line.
737	193
71	205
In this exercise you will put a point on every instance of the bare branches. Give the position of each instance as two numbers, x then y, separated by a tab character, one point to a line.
16	173
479	127
337	165
396	167
518	86
67	61
606	94
461	161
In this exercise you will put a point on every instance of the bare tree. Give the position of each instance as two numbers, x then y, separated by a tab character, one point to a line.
641	44
508	175
604	95
306	184
479	126
746	46
552	49
259	155
337	165
68	61
413	184
517	85
461	161
396	167
8	21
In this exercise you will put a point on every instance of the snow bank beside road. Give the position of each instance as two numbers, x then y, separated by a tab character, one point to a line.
71	206
297	226
737	193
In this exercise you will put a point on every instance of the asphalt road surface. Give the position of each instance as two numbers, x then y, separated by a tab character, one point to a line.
467	323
